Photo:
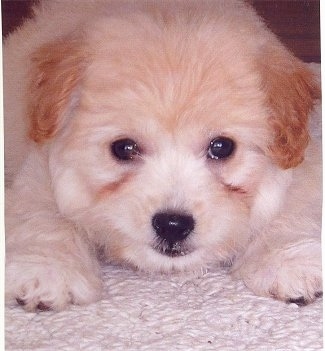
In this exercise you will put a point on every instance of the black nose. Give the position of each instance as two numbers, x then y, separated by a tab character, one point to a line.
172	227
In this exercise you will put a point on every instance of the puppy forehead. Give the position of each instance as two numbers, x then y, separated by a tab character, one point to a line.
156	85
172	101
143	118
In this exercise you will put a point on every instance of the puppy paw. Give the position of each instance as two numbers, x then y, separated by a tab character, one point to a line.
43	286
292	274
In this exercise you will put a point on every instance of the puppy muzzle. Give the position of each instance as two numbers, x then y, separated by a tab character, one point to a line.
172	230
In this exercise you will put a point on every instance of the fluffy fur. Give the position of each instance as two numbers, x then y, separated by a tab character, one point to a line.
173	76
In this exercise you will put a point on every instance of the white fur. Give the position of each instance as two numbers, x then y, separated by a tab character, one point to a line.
173	91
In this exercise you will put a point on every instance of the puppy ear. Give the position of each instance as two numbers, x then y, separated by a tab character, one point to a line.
291	89
56	71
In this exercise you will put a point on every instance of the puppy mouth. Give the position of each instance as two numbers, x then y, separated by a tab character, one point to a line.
176	249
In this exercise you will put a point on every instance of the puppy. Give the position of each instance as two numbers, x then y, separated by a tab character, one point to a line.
164	135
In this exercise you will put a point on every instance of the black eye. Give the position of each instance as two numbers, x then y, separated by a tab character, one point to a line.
221	147
125	149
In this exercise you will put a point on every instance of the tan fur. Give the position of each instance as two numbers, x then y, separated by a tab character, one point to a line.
291	92
172	76
56	70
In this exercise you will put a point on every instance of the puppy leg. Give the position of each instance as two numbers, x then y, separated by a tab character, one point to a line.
283	265
51	270
49	262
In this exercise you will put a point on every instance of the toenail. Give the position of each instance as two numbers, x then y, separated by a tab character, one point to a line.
43	307
300	301
20	302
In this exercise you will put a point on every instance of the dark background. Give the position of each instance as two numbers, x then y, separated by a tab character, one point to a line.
296	22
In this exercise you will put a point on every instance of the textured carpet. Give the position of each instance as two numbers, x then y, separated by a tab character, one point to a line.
141	312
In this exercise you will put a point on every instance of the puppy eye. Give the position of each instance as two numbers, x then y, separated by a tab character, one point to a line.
221	147
125	149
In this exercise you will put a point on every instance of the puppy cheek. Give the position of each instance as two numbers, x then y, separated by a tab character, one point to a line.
114	187
242	176
71	193
216	227
270	196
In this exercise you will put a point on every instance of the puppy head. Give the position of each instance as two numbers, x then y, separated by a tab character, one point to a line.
163	150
